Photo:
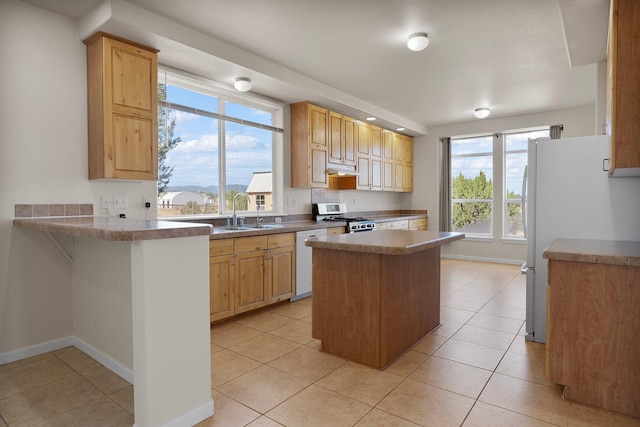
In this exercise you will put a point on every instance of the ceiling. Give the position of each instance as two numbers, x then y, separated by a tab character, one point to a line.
514	56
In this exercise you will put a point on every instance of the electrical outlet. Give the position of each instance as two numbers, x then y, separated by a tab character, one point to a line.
105	202
120	202
278	220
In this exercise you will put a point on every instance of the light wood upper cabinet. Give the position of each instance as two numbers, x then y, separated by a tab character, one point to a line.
321	138
122	109
309	144
342	139
623	88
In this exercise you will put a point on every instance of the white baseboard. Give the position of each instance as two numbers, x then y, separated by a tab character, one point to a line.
483	259
103	359
192	417
35	350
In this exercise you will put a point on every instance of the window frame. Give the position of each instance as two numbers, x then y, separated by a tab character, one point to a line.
224	94
499	201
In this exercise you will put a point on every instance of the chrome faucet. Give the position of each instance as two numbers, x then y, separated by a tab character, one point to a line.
234	218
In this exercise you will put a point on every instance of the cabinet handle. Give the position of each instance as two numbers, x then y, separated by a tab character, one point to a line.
603	168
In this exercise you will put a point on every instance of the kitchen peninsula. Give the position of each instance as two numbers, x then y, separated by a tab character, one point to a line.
376	294
140	307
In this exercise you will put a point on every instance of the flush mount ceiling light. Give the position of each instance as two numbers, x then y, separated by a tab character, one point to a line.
242	84
418	41
481	113
399	129
370	119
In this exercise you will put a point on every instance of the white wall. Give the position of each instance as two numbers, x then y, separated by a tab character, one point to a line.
43	159
577	122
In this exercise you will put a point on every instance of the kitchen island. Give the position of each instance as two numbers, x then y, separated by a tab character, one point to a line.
376	294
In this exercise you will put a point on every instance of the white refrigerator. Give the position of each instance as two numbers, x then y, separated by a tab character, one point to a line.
568	194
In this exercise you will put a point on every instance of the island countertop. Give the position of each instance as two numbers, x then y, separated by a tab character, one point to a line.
115	229
387	242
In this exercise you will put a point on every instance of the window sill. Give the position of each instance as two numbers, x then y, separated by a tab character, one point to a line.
514	240
477	238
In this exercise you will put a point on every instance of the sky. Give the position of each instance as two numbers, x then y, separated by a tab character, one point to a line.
195	158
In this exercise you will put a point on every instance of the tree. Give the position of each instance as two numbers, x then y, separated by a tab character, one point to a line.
469	213
166	140
241	203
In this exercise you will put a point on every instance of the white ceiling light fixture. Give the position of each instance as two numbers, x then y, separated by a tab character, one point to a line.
242	84
481	113
418	41
370	119
400	129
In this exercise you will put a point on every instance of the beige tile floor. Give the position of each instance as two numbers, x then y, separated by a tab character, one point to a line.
475	370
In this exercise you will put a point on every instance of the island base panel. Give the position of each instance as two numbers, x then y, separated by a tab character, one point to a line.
371	308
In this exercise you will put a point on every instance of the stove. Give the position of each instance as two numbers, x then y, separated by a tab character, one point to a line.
336	212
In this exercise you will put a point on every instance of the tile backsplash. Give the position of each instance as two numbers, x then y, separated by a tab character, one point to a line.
29	211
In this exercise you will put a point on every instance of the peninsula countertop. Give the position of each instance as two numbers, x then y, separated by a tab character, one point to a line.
115	229
387	242
594	251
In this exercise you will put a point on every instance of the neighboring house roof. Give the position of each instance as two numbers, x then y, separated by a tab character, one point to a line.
183	197
261	182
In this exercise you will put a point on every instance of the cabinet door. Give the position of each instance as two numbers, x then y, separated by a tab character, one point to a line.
282	273
407	177
335	138
350	138
387	145
221	287
363	173
387	175
123	116
250	284
398	168
376	141
376	173
317	124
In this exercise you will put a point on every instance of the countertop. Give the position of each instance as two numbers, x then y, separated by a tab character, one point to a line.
386	242
116	229
594	251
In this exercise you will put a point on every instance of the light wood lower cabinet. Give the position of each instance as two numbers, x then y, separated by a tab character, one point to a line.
247	273
593	320
393	225
221	279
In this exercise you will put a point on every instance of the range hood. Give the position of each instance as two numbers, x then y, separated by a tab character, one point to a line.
341	170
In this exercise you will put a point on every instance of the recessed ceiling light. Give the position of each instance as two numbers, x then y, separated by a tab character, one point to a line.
370	119
399	129
418	41
242	84
481	113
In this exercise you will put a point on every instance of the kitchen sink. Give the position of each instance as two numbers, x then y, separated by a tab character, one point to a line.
216	230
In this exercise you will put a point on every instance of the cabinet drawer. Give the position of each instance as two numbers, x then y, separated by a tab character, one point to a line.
281	240
398	225
248	244
220	247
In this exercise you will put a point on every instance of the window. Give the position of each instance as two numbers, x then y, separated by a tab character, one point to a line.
515	161
472	185
480	197
212	143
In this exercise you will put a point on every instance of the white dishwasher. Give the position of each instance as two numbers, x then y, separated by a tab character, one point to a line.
303	262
